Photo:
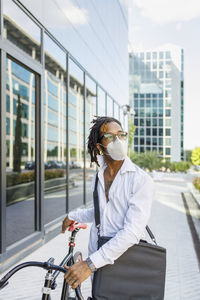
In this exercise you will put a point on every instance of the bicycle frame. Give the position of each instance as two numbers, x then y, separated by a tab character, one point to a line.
50	278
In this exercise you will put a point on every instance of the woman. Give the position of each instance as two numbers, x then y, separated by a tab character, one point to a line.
125	198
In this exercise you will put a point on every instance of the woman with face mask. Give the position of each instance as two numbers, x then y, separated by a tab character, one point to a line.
125	195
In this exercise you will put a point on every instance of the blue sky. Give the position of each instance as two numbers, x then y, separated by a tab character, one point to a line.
153	23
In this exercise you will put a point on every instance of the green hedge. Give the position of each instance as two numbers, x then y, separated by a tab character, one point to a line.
196	182
19	178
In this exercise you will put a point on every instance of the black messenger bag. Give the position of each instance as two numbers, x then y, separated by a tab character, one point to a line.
138	274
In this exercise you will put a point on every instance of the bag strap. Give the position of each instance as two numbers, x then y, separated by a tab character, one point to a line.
97	212
96	206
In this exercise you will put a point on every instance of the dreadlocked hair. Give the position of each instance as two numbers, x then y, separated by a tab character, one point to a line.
95	135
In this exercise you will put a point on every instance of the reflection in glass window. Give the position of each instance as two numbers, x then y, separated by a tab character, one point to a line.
136	121
90	113
168	142
154	131
168	102
154	122
160	74
101	102
54	132
148	55
168	112
141	122
161	55
148	141
154	55
154	140
76	138
20	153
116	111
21	30
167	122
109	107
167	131
167	55
148	131
154	65
167	151
148	122
161	65
142	131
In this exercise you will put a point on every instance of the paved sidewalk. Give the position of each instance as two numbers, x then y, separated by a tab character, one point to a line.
169	224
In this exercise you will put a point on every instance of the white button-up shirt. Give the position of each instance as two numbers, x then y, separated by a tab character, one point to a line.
124	217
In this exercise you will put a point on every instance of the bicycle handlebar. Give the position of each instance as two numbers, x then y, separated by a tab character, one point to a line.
44	265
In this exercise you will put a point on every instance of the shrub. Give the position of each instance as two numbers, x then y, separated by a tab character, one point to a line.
18	178
196	182
55	173
27	176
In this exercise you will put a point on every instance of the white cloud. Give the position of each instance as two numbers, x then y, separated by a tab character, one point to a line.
74	14
166	11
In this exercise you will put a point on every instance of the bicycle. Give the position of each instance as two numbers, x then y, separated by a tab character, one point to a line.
50	277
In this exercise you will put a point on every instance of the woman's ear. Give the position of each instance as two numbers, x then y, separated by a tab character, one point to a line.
99	149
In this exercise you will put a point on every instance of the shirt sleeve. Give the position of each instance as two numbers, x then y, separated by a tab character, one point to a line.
135	221
84	215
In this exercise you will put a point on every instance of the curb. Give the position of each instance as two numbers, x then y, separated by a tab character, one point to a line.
194	192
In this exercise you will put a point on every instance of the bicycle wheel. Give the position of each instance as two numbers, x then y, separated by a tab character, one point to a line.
70	293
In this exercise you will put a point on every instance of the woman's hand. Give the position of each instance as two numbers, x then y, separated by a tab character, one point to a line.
77	273
66	223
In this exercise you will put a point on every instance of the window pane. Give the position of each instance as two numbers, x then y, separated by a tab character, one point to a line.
21	30
167	122
90	110
76	149
101	102
167	132
20	157
54	131
109	107
116	111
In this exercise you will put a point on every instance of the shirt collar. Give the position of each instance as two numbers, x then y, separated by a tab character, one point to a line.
127	166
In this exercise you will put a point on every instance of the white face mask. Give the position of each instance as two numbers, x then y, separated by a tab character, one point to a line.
117	149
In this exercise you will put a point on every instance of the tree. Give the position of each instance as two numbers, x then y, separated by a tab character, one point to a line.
148	160
131	132
18	139
188	154
195	158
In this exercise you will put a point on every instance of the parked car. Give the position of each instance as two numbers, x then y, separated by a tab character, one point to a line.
29	165
74	165
54	164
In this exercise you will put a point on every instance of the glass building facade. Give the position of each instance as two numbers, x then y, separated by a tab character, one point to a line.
48	100
156	86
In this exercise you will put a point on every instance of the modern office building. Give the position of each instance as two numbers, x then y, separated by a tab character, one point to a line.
61	64
156	92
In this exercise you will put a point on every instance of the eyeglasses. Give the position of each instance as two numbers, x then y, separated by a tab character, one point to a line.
111	136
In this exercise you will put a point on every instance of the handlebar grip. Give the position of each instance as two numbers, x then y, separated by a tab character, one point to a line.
3	284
